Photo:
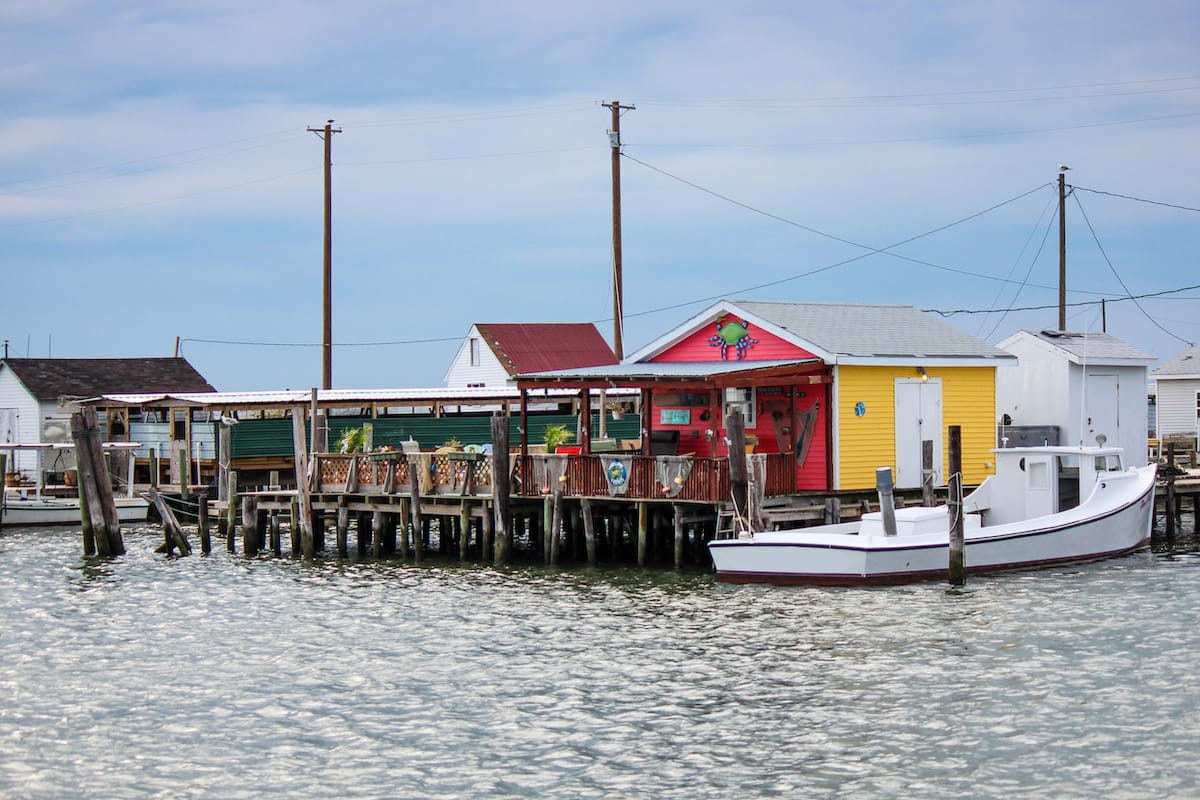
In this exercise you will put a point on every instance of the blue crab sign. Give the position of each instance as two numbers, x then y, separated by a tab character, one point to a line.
732	332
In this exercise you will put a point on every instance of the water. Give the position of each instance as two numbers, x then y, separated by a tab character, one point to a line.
222	677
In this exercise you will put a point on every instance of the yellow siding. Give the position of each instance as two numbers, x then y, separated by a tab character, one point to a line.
868	442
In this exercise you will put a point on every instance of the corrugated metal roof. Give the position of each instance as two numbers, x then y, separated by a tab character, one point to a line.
1186	363
655	370
872	330
382	397
537	347
52	378
1093	347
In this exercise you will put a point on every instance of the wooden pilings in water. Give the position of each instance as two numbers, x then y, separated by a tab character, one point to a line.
101	526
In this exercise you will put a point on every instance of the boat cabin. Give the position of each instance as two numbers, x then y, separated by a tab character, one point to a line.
1036	481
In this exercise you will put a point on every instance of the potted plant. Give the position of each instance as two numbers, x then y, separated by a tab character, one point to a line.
355	440
556	436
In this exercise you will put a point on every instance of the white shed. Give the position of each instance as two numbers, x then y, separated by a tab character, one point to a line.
1086	384
1178	395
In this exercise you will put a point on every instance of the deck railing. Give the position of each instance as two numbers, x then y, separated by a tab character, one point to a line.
636	478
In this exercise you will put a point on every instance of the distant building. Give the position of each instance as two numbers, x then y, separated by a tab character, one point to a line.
1086	385
848	388
1178	395
492	353
37	395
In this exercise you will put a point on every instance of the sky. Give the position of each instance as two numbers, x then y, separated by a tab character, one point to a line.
159	184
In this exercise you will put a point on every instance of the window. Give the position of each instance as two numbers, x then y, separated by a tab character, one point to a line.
740	398
1197	406
474	351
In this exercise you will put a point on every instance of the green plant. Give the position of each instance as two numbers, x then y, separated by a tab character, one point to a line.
556	435
355	440
452	444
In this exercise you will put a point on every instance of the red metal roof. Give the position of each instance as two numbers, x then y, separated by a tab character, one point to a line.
541	346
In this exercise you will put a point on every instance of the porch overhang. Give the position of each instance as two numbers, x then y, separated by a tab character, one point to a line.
645	375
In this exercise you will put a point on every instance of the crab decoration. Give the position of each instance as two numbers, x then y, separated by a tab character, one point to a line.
732	332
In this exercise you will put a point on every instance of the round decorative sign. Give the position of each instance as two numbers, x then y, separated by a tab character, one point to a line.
860	409
617	473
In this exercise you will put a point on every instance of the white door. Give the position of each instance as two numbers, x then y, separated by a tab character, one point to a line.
8	424
918	419
1101	417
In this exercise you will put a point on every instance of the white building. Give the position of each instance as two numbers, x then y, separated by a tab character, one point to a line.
1088	385
1178	395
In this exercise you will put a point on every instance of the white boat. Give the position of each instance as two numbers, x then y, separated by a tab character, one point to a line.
1028	514
39	505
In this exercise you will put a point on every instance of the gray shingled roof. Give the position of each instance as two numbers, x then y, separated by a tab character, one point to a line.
872	330
1186	363
1092	346
51	378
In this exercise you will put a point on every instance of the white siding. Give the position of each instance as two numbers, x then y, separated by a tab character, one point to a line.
489	372
1046	388
14	395
1177	407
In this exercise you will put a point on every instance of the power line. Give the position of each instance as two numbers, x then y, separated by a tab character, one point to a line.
1117	299
916	139
1096	238
947	94
1137	199
870	250
159	157
160	200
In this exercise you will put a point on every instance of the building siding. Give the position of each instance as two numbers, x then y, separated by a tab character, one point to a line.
868	442
1177	407
489	372
697	347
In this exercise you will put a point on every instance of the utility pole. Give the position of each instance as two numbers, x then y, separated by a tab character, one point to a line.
1062	247
614	138
326	134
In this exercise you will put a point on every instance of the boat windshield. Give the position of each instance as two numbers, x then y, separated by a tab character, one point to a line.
1108	463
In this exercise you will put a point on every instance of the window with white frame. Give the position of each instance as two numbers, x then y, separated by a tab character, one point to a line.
474	351
740	398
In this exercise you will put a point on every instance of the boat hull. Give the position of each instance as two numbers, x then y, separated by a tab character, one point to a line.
1115	520
65	511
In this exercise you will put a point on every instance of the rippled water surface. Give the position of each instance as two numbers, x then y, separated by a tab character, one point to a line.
228	677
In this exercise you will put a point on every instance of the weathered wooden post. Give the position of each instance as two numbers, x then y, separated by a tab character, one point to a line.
85	517
958	566
1169	501
489	539
152	465
173	535
379	525
679	527
3	472
589	530
927	473
643	532
403	520
276	545
102	509
231	502
735	426
303	487
203	527
464	529
362	527
501	469
343	527
414	491
250	537
294	526
547	525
